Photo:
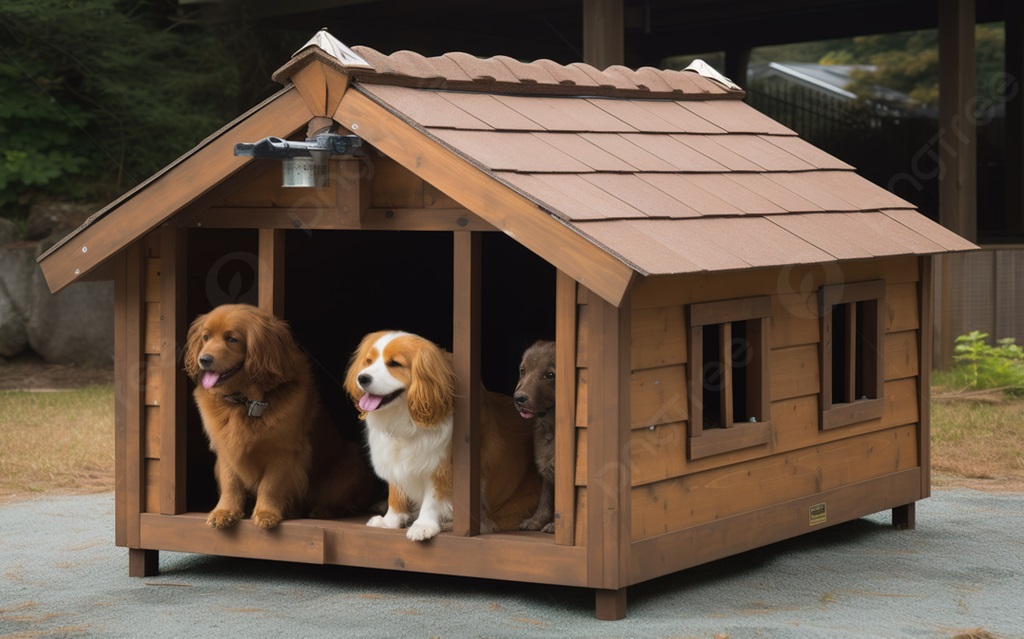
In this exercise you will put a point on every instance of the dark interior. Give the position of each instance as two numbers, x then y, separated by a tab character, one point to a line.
340	285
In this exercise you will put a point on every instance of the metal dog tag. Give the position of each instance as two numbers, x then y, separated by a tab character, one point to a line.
256	408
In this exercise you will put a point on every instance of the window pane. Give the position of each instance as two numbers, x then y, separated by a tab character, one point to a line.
840	365
711	377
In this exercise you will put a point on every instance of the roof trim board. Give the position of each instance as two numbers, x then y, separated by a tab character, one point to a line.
155	200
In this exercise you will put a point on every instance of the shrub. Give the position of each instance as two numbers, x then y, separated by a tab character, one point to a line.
980	365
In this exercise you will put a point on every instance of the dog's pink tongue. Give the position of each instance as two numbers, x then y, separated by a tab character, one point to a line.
525	414
370	402
210	379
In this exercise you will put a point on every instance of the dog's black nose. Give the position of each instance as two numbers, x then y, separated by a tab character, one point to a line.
365	379
520	398
205	360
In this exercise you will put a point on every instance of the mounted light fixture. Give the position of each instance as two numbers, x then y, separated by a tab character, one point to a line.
303	164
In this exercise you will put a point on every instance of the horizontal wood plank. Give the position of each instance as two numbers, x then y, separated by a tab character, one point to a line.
658	337
660	453
703	497
901	356
188	532
529	557
805	279
671	552
794	371
901	312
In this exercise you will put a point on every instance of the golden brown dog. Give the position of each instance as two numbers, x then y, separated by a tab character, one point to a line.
404	387
261	411
535	399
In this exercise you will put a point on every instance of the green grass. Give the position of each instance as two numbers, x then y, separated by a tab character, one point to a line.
978	439
57	440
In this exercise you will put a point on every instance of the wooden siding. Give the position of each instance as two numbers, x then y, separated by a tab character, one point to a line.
670	492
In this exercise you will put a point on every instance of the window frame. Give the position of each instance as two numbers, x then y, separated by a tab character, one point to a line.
705	442
870	363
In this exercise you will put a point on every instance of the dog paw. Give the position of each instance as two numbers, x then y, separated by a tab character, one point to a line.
390	520
531	524
223	518
266	519
423	530
548	528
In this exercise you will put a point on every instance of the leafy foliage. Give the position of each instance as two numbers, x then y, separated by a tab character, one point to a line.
99	94
980	365
909	63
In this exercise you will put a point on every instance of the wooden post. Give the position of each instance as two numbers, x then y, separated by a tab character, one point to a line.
737	64
925	365
121	509
603	33
141	563
565	410
271	272
608	438
1014	94
173	275
466	347
958	184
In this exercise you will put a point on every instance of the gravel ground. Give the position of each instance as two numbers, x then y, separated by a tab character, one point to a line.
960	572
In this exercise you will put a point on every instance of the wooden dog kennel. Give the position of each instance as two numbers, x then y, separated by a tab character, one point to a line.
743	323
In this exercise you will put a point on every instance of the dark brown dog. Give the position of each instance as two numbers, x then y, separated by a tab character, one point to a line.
261	411
535	399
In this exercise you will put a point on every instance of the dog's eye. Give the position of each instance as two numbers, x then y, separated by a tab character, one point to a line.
393	363
206	338
549	375
230	340
522	371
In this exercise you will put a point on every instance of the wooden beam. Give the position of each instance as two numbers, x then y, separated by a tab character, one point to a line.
565	410
737	64
173	286
1014	66
608	438
482	194
374	219
958	149
466	340
924	384
728	536
134	389
271	272
121	301
172	191
603	33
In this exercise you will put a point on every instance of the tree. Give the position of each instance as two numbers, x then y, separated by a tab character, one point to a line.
99	94
909	63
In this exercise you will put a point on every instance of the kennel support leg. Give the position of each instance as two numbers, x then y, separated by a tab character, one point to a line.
904	517
143	563
610	605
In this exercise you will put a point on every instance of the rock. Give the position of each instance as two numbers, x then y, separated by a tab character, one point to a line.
74	326
57	219
17	272
6	231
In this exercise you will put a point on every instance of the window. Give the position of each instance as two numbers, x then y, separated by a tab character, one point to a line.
852	337
728	362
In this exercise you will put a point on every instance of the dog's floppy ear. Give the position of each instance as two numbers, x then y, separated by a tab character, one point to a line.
193	343
431	393
269	349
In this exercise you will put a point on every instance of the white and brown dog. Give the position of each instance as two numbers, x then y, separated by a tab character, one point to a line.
404	387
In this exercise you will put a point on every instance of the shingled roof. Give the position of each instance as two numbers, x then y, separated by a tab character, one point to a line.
666	172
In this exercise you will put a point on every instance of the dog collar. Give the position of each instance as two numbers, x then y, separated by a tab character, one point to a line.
254	408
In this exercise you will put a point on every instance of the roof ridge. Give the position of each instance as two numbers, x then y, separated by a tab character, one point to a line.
459	71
